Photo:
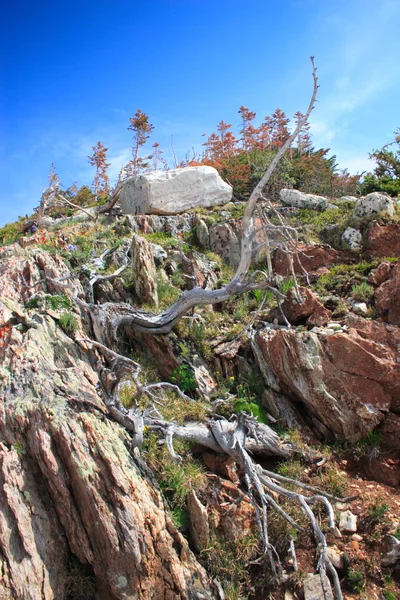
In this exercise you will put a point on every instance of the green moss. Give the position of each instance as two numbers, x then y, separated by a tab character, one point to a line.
251	408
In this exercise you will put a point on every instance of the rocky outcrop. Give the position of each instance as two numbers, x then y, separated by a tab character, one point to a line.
344	383
373	204
173	192
143	271
303	200
382	240
387	297
310	311
380	274
69	483
309	257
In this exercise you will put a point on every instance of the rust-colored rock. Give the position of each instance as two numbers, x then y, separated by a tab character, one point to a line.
387	297
230	511
345	382
221	465
382	240
377	468
68	480
311	258
310	310
380	274
390	432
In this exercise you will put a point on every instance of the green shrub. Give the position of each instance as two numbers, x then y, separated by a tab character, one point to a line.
183	376
377	511
175	479
68	322
362	292
59	301
11	232
355	581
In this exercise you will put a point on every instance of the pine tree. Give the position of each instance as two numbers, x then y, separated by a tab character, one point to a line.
248	131
304	144
279	129
142	129
101	182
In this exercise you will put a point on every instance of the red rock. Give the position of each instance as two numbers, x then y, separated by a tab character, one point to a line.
382	240
381	333
221	465
390	432
387	297
345	381
378	469
311	308
380	274
311	259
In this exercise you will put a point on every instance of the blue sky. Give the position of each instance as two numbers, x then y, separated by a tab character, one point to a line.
73	72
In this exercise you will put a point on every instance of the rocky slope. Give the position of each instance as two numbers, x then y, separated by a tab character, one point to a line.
82	514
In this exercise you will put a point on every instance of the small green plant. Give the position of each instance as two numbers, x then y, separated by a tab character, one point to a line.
180	518
183	376
33	303
397	533
167	293
246	402
362	292
370	443
68	322
388	592
19	449
59	302
355	581
286	285
175	479
229	562
378	510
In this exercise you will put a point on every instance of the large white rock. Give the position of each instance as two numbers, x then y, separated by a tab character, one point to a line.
302	200
173	192
373	204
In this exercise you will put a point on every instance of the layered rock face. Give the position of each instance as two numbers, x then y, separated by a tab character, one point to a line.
342	384
173	192
382	240
69	484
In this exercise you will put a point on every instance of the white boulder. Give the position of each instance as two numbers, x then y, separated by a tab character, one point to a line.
373	204
173	192
302	200
352	238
